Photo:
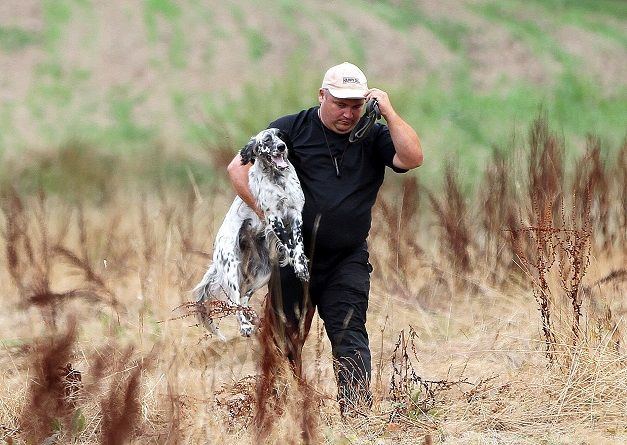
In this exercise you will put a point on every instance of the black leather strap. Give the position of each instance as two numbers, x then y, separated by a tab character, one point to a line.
366	122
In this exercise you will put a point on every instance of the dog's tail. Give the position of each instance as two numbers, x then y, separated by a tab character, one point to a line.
206	289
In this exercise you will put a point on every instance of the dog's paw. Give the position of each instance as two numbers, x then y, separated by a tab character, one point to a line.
283	254
304	276
210	325
301	269
247	330
219	335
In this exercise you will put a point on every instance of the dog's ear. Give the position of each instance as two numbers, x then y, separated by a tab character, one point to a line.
285	138
248	152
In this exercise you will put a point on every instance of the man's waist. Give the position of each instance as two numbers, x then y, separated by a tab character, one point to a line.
323	256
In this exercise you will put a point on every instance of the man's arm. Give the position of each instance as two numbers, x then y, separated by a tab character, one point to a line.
238	174
406	141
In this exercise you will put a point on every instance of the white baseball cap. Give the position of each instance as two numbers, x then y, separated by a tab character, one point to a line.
345	81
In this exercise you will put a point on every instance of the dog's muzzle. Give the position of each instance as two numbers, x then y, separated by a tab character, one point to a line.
279	157
279	161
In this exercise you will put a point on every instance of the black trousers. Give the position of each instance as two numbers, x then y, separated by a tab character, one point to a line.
339	287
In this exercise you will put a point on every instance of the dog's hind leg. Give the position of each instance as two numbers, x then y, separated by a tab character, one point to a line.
232	290
256	274
246	326
208	323
255	283
204	292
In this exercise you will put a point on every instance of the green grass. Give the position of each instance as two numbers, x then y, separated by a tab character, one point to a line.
407	14
455	121
56	15
612	8
14	39
155	8
171	12
400	15
230	118
348	44
288	11
598	17
124	126
461	126
538	39
258	44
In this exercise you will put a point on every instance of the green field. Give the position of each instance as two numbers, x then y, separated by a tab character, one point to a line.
194	77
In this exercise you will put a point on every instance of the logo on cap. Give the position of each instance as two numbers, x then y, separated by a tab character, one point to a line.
350	80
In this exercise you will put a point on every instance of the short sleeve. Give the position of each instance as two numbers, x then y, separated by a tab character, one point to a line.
385	147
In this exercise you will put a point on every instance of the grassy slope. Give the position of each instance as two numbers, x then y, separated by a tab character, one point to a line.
466	75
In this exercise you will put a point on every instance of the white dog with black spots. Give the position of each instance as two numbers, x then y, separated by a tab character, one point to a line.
242	260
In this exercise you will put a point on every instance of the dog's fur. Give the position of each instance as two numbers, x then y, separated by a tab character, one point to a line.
242	249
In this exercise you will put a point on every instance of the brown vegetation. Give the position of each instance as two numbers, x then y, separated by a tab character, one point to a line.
468	297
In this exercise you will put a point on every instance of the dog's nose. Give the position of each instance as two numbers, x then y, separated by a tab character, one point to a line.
281	147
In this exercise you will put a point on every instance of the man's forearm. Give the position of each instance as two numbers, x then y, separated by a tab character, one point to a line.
238	174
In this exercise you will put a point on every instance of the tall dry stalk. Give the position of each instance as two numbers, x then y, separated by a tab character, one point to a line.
412	396
281	375
574	257
591	192
96	288
551	234
50	394
409	222
536	250
31	252
452	217
589	210
186	226
121	406
535	243
28	253
269	399
399	220
497	204
545	170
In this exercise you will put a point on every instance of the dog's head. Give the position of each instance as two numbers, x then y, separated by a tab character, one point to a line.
269	146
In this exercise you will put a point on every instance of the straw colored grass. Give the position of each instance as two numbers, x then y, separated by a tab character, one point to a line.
459	348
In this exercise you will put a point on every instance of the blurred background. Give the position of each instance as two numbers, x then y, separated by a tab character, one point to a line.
167	87
503	256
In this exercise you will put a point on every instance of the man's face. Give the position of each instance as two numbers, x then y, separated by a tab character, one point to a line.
339	115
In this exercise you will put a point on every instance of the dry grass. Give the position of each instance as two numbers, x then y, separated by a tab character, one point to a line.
491	320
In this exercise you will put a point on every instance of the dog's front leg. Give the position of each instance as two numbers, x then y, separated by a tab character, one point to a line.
283	241
298	257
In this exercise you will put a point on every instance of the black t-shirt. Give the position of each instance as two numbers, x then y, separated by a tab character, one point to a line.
344	203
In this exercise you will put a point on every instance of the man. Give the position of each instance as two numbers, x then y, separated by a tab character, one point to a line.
340	181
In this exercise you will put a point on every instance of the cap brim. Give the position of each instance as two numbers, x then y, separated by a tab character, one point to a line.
347	93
